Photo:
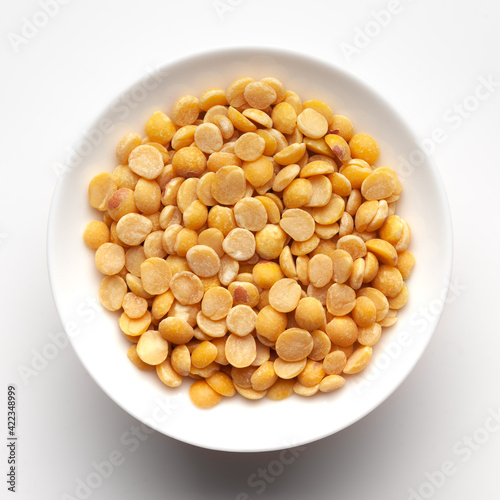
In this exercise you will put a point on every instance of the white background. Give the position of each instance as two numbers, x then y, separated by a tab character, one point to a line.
428	59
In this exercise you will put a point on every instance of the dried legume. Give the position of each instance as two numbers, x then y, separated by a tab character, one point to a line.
256	233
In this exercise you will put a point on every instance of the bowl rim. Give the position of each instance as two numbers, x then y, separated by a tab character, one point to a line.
256	50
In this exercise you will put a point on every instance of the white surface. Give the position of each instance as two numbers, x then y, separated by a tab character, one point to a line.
429	58
424	206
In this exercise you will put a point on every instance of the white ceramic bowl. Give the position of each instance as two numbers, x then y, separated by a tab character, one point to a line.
237	424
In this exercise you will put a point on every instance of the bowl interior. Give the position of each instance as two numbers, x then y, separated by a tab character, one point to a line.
95	334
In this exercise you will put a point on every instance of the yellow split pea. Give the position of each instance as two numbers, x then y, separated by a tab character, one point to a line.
250	241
